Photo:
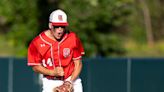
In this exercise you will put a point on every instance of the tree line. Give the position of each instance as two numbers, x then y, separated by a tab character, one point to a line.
103	25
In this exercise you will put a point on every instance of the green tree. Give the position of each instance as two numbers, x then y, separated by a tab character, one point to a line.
19	20
98	24
103	26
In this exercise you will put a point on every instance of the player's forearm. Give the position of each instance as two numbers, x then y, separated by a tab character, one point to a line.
77	70
43	70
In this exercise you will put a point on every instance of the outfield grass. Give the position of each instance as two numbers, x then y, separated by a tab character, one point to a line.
143	50
133	49
6	49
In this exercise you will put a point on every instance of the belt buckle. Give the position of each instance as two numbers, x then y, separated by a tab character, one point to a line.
58	78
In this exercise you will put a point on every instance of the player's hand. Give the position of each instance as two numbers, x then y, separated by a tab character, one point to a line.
59	71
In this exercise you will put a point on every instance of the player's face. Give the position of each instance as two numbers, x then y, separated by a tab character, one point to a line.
58	32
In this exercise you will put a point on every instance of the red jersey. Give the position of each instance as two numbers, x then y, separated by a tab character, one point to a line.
50	54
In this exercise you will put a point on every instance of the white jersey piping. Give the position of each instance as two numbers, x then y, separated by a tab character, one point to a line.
59	49
52	56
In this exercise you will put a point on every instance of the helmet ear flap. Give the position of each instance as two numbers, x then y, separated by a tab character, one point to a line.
50	26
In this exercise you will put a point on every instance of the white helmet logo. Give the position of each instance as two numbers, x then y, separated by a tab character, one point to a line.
60	18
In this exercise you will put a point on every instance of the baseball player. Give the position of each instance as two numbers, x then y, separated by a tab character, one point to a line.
56	53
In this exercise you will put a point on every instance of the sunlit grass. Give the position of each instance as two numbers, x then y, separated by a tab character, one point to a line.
135	49
5	48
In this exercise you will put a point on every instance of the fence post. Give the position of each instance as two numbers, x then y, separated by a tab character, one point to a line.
129	75
10	75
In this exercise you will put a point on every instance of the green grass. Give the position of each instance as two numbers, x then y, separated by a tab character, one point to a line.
143	50
133	49
6	49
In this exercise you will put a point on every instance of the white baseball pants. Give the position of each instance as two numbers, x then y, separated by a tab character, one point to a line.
49	85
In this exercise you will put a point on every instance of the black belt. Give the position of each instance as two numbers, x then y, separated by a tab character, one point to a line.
54	78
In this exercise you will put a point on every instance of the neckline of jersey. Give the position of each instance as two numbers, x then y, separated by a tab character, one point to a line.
51	40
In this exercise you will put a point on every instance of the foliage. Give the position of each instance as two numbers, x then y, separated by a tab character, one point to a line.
20	19
97	23
106	27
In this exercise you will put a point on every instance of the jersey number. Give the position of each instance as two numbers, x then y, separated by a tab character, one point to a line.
48	63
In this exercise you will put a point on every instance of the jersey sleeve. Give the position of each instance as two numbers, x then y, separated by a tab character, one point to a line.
34	57
78	51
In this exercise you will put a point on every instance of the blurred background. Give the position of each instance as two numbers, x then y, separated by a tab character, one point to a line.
124	31
107	28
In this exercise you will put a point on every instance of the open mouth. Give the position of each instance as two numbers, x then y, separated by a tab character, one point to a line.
60	33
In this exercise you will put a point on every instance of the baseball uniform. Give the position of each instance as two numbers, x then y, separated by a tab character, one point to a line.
50	54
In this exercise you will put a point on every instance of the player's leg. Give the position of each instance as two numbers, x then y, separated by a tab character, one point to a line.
77	85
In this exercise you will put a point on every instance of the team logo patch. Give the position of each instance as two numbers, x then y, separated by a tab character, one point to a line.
66	52
60	17
42	45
